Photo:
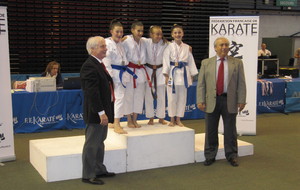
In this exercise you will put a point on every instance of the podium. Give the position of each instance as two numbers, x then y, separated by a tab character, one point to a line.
148	147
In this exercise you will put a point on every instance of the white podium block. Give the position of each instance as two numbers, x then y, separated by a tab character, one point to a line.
154	146
151	146
244	148
61	158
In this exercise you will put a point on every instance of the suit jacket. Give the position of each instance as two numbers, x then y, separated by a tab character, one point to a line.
96	90
206	87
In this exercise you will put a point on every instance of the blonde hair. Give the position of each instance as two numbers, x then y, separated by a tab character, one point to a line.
159	28
50	66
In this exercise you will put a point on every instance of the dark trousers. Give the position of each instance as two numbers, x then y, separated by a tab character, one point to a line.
93	151
211	127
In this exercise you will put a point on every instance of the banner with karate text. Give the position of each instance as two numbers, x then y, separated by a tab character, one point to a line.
7	152
242	32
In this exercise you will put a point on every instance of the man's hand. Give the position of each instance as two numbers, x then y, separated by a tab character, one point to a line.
103	119
201	106
241	107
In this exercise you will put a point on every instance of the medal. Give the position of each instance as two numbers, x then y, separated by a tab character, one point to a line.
139	63
123	62
154	67
176	64
170	81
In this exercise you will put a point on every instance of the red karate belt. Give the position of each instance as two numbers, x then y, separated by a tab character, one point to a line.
135	66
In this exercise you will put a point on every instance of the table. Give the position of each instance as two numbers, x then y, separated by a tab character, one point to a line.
271	98
285	97
62	109
292	103
45	111
268	66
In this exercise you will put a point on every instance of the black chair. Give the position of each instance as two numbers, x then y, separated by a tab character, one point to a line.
291	61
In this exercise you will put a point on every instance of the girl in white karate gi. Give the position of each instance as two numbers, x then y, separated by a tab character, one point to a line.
135	49
155	48
178	68
115	62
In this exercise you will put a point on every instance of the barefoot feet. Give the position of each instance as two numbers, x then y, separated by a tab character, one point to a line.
162	121
151	121
118	129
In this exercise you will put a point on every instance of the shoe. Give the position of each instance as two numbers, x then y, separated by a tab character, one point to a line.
233	162
107	174
94	181
209	162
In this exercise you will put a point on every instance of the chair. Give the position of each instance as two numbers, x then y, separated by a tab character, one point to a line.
291	62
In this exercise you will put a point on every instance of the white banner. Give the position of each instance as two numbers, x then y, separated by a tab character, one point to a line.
242	32
7	152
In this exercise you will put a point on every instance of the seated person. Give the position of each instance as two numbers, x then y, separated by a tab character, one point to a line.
263	51
53	70
297	57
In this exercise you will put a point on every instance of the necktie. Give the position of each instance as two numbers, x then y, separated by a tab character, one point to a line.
220	79
110	84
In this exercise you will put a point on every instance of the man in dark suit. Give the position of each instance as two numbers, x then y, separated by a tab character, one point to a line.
221	91
97	111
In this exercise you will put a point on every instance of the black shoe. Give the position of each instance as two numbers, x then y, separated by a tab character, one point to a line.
233	162
107	174
94	181
209	162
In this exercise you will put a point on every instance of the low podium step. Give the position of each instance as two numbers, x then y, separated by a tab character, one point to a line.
244	148
59	159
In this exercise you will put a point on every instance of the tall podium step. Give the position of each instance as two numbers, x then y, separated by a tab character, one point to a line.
142	148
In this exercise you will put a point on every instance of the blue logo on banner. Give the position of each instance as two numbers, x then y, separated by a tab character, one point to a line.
40	121
190	107
75	117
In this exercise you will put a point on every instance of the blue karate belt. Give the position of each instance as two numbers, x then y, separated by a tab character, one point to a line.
122	69
179	65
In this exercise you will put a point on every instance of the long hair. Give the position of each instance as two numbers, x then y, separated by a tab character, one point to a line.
50	66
